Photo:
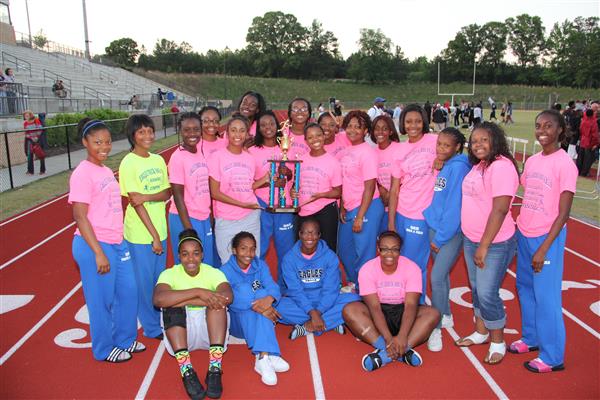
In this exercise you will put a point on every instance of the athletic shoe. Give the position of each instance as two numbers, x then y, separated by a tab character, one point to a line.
349	288
340	329
412	358
192	385
297	331
435	340
278	363
375	360
118	356
136	347
214	387
265	370
447	321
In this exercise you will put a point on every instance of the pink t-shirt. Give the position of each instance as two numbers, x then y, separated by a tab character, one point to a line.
235	173
207	148
261	156
413	166
385	160
97	187
191	171
390	289
359	164
317	175
252	130
298	147
544	179
340	143
478	191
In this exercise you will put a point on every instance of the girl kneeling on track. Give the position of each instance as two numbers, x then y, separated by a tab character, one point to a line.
144	182
390	319
550	180
443	221
313	302
193	297
188	174
99	249
253	316
489	233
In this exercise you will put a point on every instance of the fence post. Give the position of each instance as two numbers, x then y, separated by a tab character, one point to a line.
164	124
68	146
12	185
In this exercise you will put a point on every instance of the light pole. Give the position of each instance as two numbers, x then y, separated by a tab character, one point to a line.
85	31
28	24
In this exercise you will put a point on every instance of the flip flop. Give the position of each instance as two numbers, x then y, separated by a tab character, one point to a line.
474	338
520	347
495	348
538	366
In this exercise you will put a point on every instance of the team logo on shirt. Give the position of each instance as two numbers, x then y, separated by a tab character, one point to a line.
310	275
440	184
256	285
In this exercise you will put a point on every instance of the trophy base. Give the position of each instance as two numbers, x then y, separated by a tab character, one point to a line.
279	210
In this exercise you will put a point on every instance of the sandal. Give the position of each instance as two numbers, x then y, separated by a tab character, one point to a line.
495	348
474	338
538	366
520	347
118	356
136	347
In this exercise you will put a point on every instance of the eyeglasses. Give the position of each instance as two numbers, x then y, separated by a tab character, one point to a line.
211	121
389	250
299	110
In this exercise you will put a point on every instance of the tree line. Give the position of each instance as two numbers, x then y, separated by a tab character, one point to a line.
278	46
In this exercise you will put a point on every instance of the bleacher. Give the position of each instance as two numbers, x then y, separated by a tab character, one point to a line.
89	85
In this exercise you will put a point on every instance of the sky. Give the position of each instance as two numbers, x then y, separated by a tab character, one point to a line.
419	27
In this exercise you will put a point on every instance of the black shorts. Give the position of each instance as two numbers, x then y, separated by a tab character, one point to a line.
393	316
174	316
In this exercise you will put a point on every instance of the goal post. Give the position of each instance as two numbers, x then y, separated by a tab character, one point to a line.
439	91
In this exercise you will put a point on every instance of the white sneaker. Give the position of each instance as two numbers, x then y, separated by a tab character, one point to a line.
434	343
279	364
265	370
447	321
349	288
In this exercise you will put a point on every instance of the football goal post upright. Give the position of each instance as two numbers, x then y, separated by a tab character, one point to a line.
439	92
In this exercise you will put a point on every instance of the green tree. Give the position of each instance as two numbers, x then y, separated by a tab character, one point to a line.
321	56
40	40
374	61
123	51
492	38
526	38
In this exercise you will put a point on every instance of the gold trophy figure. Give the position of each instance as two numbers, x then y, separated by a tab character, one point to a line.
285	143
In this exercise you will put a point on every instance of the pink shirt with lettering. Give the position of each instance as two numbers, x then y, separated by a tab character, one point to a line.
359	164
340	143
207	148
298	147
235	173
390	289
478	191
413	166
262	155
191	171
317	175
97	187
385	162
544	179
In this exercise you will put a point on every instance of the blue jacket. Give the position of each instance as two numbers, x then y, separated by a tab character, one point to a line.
443	214
253	285
314	283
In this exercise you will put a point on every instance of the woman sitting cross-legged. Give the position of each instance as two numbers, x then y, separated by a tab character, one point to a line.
253	316
194	299
313	302
390	319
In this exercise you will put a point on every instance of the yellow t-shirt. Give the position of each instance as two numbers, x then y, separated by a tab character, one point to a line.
207	278
147	176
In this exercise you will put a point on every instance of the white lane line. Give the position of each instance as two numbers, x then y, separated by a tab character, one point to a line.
6	264
568	314
141	394
314	367
583	257
585	223
37	326
34	209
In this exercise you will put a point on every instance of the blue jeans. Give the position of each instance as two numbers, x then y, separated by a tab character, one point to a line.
486	282
443	261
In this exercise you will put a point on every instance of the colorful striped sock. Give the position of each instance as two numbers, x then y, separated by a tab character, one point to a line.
215	356
183	359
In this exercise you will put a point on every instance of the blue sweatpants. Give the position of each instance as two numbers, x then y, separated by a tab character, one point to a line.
111	298
415	246
147	268
280	227
205	233
256	329
291	314
540	295
355	249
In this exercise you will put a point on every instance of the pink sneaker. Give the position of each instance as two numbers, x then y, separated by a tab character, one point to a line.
538	366
520	347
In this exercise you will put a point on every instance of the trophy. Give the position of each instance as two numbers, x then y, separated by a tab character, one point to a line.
281	205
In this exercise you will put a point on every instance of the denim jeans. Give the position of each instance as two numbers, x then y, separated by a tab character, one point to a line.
443	261
486	282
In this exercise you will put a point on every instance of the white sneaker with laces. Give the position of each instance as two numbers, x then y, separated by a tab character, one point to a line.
265	370
435	340
278	363
447	321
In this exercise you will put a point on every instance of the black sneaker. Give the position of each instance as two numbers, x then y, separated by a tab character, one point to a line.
192	385
214	387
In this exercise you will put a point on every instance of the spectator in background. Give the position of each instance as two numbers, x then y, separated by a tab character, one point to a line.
396	116
59	89
588	144
427	107
161	96
33	133
477	114
509	112
439	118
337	109
493	112
9	79
377	109
456	113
